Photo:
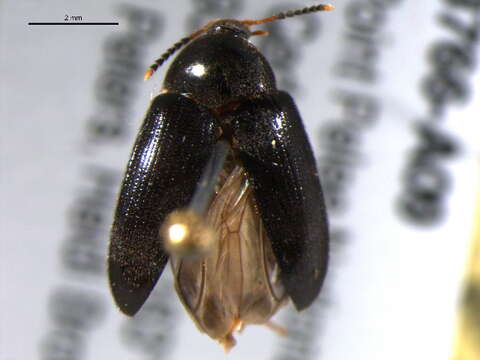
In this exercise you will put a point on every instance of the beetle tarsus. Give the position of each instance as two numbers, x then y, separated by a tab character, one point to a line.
279	330
228	343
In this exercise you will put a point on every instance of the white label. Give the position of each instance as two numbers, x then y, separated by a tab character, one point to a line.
386	89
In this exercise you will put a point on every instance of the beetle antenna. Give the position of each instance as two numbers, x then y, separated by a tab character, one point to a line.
165	56
283	15
289	14
178	45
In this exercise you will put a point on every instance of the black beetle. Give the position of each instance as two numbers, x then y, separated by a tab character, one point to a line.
223	181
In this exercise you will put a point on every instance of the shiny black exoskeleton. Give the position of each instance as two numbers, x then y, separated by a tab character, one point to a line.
220	87
221	67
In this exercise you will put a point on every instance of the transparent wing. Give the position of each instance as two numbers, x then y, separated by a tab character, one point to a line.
237	283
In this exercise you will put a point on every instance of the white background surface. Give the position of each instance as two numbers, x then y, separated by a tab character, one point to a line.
392	286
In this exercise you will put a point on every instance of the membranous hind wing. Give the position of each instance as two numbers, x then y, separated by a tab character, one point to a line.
237	283
170	152
274	149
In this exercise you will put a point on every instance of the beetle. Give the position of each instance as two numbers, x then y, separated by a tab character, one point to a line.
222	180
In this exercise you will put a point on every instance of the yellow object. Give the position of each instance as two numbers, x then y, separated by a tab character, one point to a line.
467	337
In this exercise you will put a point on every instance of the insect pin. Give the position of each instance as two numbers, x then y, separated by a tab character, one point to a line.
222	180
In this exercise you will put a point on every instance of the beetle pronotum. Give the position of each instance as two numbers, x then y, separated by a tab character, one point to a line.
222	181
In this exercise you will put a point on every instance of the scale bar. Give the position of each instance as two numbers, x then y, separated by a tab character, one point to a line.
73	23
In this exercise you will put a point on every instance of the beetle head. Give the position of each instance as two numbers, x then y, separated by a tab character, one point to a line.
240	28
229	25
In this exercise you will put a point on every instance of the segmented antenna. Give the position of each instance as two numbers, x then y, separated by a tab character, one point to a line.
289	14
165	56
280	16
174	49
